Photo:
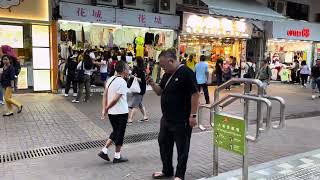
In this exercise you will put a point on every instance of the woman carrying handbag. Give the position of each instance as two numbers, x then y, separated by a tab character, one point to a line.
138	77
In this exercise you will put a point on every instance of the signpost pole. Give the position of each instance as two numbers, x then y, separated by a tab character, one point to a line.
245	162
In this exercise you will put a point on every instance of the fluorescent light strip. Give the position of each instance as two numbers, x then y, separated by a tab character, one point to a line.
88	23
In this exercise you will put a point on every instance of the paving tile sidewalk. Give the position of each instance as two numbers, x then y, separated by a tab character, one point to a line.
299	136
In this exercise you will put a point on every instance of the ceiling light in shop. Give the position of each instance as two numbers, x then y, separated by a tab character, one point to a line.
157	29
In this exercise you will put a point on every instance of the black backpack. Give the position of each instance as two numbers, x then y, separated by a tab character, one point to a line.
251	73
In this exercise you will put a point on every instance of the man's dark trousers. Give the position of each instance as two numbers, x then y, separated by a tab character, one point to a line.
170	133
205	91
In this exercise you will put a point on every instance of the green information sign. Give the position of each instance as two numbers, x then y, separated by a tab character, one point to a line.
229	133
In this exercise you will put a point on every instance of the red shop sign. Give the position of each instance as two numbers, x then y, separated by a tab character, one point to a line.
305	32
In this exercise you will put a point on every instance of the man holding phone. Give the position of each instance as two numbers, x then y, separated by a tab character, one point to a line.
179	104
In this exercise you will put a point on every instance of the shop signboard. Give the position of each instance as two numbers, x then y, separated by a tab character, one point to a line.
229	133
35	10
293	30
23	78
84	13
144	19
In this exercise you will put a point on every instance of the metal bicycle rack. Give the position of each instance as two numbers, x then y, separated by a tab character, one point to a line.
261	99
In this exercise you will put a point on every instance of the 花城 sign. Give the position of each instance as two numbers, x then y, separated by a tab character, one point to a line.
84	13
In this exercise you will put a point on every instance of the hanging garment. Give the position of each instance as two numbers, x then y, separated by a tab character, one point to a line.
140	51
72	36
110	43
150	51
274	74
149	38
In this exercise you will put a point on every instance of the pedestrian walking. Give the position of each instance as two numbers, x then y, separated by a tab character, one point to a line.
7	82
179	104
191	62
218	71
70	72
85	70
249	70
264	74
114	104
294	70
226	73
315	77
137	98
202	74
304	73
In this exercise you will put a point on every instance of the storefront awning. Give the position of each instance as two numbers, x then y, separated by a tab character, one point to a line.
249	9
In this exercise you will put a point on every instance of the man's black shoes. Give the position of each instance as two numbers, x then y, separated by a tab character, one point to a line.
120	160
104	156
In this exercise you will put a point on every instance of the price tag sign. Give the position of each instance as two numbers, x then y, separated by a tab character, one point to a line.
229	133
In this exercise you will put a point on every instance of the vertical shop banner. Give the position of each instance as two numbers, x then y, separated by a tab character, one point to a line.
23	78
143	19
94	14
229	133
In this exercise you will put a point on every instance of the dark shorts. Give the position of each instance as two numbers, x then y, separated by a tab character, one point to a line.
119	124
103	76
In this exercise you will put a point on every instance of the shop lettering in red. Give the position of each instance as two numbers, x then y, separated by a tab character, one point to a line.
81	12
157	20
142	18
97	14
305	32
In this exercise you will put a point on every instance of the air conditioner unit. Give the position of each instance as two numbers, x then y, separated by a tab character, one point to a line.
132	4
107	2
166	6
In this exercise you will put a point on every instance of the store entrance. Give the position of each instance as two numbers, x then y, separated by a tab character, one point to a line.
229	50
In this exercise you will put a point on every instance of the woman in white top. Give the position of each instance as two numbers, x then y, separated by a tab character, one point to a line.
84	71
304	72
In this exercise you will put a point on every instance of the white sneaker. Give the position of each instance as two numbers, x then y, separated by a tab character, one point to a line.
313	97
75	101
75	94
66	95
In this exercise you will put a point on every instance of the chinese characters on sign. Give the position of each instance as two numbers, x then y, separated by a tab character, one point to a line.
85	13
143	19
229	133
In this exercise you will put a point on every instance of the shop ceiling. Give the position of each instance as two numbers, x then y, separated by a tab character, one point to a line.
249	9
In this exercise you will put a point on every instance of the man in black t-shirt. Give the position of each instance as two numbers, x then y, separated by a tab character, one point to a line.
315	77
179	105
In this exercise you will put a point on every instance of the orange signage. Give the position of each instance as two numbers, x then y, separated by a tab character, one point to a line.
34	10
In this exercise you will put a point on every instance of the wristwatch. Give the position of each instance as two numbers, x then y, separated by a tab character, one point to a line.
194	115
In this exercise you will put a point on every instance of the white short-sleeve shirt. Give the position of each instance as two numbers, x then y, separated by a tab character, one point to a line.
117	86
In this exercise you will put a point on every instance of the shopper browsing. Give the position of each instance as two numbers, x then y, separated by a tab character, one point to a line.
202	74
138	72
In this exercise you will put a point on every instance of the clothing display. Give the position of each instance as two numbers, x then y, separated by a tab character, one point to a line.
149	38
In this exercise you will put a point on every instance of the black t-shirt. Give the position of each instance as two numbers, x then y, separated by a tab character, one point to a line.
176	96
219	64
7	76
139	73
315	71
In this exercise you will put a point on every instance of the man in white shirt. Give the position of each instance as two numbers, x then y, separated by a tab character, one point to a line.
115	104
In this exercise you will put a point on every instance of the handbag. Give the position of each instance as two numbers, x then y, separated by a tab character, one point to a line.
80	74
135	87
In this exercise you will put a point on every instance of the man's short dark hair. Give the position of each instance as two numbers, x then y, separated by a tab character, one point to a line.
169	53
202	58
120	67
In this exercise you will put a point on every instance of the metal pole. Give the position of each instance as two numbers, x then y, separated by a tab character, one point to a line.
215	151
245	163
